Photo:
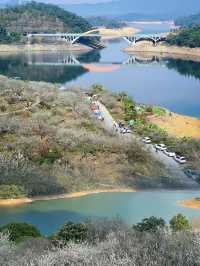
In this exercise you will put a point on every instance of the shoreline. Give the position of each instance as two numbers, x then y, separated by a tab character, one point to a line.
42	48
166	51
178	125
190	203
19	201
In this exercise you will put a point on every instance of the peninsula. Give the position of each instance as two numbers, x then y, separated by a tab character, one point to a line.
56	142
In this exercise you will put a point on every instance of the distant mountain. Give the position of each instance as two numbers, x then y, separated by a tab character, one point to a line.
167	9
105	22
38	17
189	20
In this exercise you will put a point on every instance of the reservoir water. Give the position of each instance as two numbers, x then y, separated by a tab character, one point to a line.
48	216
172	83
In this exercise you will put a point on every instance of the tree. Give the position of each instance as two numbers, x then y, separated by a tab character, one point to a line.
20	231
179	223
97	88
129	108
189	37
151	224
72	232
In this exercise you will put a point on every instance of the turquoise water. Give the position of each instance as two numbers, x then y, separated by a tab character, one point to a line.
48	216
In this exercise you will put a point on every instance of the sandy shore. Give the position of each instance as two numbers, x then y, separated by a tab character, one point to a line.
190	203
12	202
178	125
114	33
43	47
163	51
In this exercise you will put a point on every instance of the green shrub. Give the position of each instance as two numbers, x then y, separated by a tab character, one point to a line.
72	232
179	223
20	231
129	108
157	110
49	157
151	224
97	88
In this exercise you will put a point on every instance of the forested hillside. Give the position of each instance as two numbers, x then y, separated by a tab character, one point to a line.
189	37
38	17
106	22
188	21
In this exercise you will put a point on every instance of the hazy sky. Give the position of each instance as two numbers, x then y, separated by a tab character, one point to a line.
73	1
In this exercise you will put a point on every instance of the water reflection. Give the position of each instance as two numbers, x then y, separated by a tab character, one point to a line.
187	68
50	67
65	67
169	82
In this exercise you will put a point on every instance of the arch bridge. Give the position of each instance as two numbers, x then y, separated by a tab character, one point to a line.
72	38
154	38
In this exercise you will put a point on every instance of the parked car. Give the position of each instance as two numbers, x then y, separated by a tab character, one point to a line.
146	140
195	175
121	125
161	147
169	153
180	159
128	131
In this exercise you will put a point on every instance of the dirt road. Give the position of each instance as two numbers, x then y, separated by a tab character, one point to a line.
173	168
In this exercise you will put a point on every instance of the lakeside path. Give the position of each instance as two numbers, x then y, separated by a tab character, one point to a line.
173	168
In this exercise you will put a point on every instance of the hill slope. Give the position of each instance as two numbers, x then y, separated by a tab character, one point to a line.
39	17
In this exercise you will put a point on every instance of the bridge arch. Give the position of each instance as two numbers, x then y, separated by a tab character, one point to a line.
154	40
85	34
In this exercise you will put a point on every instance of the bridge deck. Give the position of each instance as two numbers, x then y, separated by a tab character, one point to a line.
93	35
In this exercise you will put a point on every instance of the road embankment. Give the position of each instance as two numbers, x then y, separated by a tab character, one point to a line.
164	50
42	48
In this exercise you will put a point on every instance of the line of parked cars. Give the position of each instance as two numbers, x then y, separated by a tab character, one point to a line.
162	147
122	129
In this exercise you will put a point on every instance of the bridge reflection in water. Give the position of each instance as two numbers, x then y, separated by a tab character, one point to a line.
73	60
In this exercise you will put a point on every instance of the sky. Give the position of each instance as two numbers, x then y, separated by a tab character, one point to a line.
74	1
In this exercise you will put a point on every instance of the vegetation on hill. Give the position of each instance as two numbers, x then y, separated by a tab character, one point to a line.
104	242
19	231
105	22
8	37
55	145
188	21
36	18
189	37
